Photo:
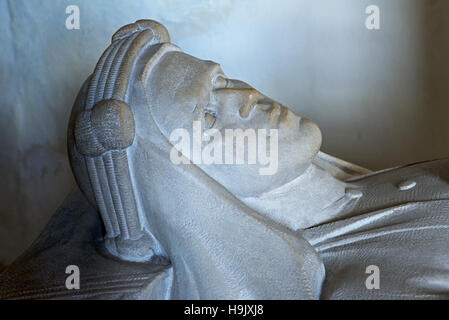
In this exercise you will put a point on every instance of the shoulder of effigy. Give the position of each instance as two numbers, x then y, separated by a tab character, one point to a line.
100	278
73	237
120	285
434	171
423	186
418	191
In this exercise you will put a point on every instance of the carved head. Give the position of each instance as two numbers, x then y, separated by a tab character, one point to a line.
142	91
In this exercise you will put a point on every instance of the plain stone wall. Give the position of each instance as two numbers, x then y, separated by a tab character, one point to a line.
380	97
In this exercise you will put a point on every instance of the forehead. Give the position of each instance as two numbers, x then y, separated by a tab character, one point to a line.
177	85
176	71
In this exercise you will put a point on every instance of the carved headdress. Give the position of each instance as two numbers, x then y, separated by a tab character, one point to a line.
102	129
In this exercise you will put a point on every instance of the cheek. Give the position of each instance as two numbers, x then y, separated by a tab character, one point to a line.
297	151
174	116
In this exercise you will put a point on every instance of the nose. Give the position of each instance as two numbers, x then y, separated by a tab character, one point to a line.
245	99
257	101
241	100
274	109
251	100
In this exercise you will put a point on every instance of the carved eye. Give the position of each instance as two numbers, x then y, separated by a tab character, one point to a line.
209	119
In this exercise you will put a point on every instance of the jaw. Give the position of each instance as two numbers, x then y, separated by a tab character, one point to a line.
313	198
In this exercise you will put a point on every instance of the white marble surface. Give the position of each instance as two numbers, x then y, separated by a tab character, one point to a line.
380	97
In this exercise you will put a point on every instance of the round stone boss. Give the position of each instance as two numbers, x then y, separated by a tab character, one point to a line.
108	126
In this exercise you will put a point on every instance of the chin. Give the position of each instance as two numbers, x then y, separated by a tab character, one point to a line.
311	134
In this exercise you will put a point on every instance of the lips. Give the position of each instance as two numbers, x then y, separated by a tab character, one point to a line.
275	115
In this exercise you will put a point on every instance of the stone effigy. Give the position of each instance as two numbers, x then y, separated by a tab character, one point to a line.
170	207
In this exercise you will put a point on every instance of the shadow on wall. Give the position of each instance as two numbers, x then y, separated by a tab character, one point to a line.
436	78
380	97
